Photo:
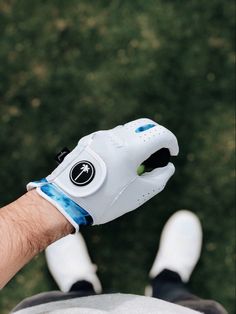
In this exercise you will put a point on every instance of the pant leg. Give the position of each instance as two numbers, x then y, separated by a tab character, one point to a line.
168	286
83	287
79	289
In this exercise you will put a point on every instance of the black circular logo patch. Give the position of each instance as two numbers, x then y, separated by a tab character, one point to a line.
82	173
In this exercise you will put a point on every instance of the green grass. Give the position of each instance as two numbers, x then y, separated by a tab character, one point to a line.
68	68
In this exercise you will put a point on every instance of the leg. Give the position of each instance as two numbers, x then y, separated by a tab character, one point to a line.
178	254
71	267
168	286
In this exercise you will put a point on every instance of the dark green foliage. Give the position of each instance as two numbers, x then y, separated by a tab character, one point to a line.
68	68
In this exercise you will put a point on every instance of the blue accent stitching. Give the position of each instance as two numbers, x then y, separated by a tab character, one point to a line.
76	212
144	127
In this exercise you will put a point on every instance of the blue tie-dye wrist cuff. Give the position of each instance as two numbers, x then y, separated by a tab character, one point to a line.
76	212
41	181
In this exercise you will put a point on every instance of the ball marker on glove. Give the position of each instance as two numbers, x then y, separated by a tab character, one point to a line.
111	172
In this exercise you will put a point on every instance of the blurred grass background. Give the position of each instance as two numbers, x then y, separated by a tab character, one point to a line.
68	68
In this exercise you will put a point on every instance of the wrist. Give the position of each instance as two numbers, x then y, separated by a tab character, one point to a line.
27	226
45	224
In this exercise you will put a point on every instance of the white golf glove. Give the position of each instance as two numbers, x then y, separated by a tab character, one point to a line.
98	181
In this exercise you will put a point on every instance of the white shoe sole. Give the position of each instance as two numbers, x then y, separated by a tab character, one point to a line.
68	261
180	245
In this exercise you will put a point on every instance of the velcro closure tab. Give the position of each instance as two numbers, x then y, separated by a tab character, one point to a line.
84	176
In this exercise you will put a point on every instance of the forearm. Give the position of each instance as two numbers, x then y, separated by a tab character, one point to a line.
27	226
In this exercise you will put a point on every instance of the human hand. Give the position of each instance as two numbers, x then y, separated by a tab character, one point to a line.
98	181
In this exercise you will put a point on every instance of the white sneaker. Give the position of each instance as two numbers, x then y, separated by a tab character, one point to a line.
68	261
180	245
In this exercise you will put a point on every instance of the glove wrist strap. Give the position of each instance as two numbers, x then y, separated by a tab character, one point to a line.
73	212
